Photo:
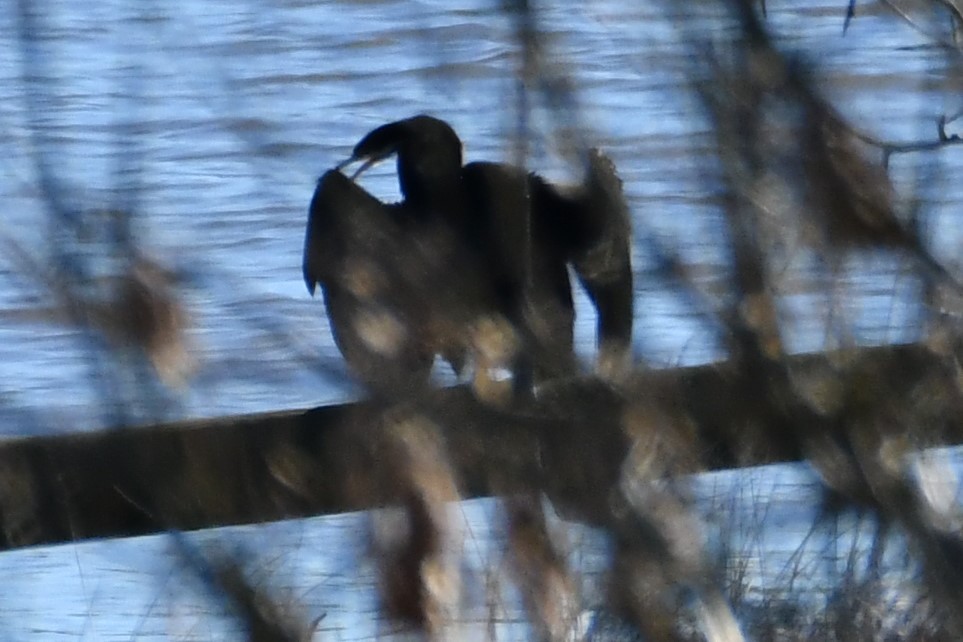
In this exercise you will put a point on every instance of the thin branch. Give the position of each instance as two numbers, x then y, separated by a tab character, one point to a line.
943	140
940	42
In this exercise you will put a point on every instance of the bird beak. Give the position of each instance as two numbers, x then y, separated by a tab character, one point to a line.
369	161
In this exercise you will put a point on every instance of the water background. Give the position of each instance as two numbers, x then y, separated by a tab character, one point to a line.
233	109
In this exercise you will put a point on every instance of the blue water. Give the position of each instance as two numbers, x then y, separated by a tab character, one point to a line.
141	588
233	109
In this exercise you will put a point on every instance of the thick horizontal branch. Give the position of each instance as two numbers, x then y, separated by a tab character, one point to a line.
571	444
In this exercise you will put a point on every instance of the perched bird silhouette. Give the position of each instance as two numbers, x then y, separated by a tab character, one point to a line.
471	265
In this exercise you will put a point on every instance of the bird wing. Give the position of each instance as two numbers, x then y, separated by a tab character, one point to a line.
590	226
343	219
603	261
356	249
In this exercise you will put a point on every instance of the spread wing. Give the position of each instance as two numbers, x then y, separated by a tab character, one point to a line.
344	222
354	248
604	265
591	227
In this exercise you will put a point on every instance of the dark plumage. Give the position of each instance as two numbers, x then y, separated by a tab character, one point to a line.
472	263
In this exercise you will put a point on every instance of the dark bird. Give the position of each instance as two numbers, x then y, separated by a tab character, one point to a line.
472	264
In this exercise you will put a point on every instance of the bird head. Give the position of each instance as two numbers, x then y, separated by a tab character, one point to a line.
428	153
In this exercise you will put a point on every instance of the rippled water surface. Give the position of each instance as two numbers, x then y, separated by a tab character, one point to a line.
224	114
